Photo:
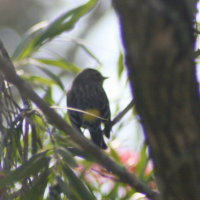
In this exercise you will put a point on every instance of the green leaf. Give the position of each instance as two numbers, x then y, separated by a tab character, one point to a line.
114	192
129	194
67	157
54	77
90	53
36	192
26	46
82	154
48	96
63	141
115	155
65	22
120	64
31	167
60	63
34	147
78	188
38	132
40	80
140	170
16	144
35	38
64	186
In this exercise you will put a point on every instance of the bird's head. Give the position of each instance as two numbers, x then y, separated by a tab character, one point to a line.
90	75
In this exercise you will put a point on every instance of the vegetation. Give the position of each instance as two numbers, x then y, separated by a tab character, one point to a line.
43	157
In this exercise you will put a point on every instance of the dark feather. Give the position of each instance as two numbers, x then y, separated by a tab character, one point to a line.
87	93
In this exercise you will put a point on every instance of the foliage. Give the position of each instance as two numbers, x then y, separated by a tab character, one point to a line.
37	160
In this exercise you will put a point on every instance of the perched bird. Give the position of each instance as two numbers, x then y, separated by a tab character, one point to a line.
91	106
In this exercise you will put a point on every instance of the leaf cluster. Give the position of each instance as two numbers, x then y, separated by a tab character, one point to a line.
37	160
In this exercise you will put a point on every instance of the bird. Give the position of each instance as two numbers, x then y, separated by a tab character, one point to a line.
89	105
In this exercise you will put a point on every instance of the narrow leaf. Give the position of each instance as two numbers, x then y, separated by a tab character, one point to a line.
38	37
37	190
26	46
67	156
120	65
142	163
60	63
77	186
40	80
54	77
31	167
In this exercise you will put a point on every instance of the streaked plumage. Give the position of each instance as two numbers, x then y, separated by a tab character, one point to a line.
87	94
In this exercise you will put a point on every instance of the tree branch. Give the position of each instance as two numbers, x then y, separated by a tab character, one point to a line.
6	67
122	113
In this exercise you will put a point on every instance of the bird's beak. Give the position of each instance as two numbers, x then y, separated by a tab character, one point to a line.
104	78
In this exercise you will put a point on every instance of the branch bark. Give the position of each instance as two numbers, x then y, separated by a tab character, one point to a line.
6	67
159	41
122	113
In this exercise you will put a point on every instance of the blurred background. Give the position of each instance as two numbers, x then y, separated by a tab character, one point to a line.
94	42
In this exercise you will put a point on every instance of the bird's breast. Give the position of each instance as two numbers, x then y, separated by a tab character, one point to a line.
91	115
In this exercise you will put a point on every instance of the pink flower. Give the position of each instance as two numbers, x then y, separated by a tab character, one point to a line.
129	158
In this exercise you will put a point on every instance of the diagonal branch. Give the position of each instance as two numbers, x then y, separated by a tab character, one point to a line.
122	113
6	67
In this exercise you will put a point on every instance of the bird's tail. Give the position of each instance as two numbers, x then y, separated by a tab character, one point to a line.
97	137
107	129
